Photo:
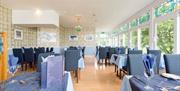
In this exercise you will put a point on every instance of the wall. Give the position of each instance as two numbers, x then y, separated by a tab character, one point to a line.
5	21
29	37
54	31
43	17
65	32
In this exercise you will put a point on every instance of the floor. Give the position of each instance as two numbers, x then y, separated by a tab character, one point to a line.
97	77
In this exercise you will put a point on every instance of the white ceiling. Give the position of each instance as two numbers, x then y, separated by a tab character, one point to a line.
103	14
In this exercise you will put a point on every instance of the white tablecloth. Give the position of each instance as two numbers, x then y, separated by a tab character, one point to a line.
70	83
120	61
81	63
125	85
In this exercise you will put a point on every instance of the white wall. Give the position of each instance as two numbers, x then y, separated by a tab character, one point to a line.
31	17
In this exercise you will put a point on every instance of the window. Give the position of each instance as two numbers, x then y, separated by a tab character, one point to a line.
144	37
125	27
134	40
165	8
144	18
165	34
134	23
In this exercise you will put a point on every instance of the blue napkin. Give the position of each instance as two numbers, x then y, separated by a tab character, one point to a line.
148	61
12	62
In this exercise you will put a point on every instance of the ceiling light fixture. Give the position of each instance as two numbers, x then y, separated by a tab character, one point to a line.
78	27
38	12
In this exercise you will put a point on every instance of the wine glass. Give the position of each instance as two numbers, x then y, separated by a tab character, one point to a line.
149	71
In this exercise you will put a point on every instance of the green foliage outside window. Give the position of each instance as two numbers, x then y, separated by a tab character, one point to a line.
144	37
134	23
125	27
134	39
165	36
165	8
126	39
144	18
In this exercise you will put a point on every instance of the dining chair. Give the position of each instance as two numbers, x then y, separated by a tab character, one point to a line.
47	49
157	54
83	51
135	64
18	52
122	50
134	51
42	49
111	51
71	61
172	63
51	49
102	54
97	49
29	57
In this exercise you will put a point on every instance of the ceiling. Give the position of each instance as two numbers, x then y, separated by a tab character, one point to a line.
103	14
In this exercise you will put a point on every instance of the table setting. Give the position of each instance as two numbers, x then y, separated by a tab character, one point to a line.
151	81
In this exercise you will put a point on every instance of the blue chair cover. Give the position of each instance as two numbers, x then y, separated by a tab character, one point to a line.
12	62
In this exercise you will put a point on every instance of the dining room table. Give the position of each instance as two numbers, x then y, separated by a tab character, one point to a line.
30	81
157	83
120	60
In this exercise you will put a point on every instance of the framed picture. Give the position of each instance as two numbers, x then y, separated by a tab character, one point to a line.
46	37
89	37
18	34
73	38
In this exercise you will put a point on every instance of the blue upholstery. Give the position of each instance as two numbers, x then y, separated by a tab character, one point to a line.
47	49
83	51
172	63
134	51
51	49
135	64
17	52
111	51
71	59
122	50
29	56
157	54
102	53
41	49
12	63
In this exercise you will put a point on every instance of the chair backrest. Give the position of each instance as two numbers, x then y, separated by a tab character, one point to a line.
111	51
28	54
72	48
134	51
41	49
172	63
71	59
83	51
51	49
157	54
44	55
18	52
122	50
135	64
102	53
47	49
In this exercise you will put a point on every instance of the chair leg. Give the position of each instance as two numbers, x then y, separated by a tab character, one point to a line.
117	72
115	68
77	77
120	74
